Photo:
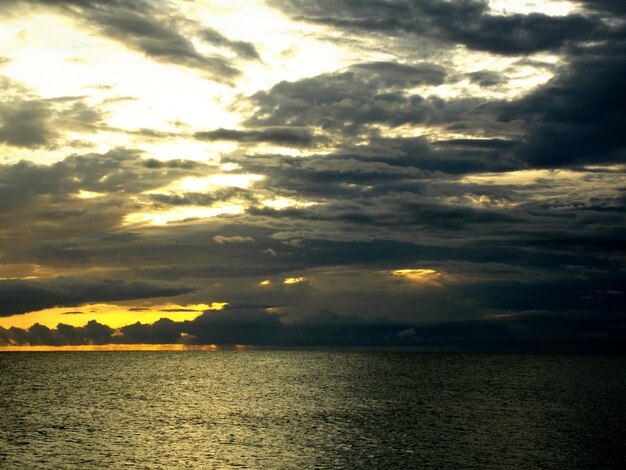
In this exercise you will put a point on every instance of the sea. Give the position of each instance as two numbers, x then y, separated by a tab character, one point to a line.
311	409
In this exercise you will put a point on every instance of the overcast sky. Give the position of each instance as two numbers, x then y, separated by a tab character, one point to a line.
387	172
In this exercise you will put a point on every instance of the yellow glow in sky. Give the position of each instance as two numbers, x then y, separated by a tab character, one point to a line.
200	185
111	315
288	50
293	280
88	194
80	60
562	186
480	201
185	149
180	214
522	177
285	202
189	213
423	276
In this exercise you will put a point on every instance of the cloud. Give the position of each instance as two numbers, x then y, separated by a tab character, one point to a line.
119	171
467	22
405	219
289	136
451	140
611	6
220	239
577	118
532	331
46	201
242	48
485	78
26	296
157	30
242	325
158	40
29	121
25	124
164	331
197	199
393	73
353	104
38	335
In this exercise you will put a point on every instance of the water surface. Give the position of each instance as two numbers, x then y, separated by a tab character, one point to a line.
296	409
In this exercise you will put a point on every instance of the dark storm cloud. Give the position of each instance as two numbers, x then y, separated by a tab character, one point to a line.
236	325
611	6
578	118
289	136
572	331
466	22
24	296
156	30
522	34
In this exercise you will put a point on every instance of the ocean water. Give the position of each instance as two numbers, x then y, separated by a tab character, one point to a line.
300	410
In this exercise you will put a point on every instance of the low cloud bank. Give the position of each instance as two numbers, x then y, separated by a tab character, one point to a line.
254	325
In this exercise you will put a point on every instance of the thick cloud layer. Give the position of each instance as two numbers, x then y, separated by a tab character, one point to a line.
447	175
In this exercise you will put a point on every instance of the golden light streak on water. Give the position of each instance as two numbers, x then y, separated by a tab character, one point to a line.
127	347
113	347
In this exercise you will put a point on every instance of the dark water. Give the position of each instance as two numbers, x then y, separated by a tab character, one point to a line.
310	410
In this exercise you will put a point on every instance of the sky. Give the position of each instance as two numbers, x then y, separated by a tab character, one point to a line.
433	174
